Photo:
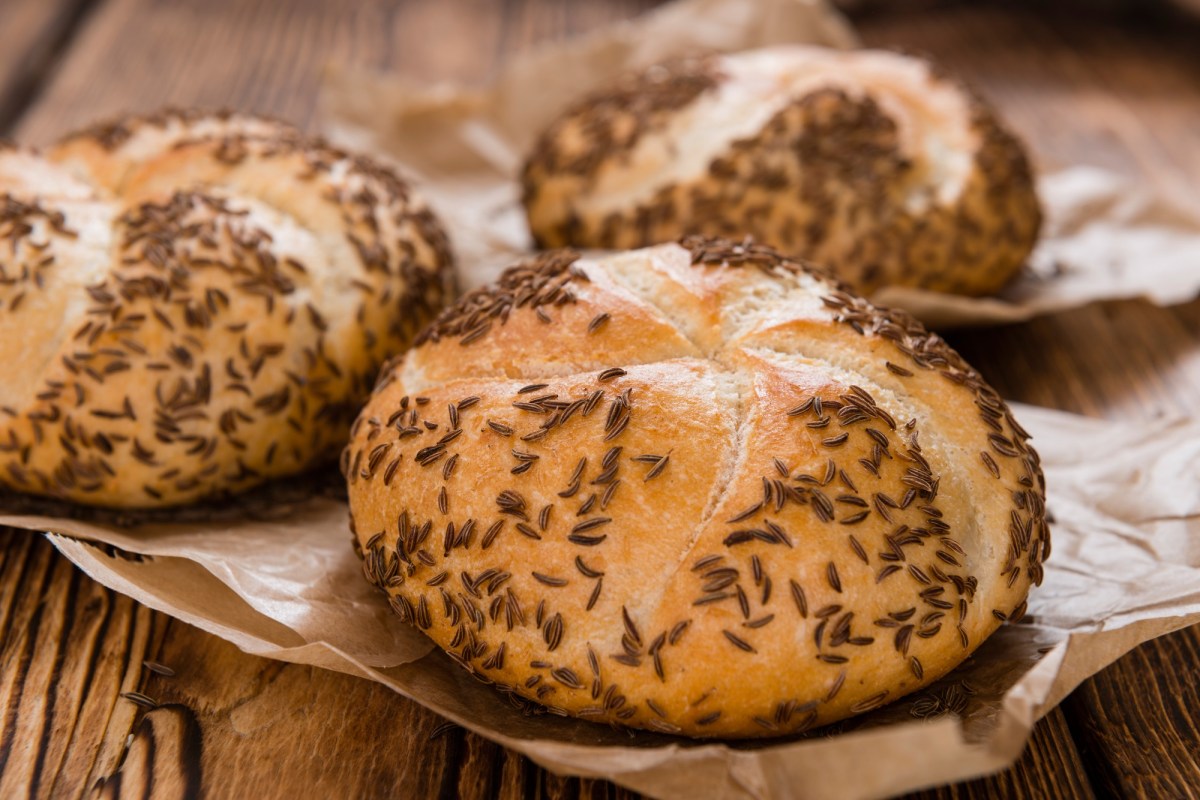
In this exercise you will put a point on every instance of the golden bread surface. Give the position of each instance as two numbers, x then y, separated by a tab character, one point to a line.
696	489
870	163
192	303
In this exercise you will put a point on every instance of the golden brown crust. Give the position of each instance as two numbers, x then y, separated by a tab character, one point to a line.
219	291
615	118
787	507
111	134
830	176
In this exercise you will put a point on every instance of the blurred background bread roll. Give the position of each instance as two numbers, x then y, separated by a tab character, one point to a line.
870	163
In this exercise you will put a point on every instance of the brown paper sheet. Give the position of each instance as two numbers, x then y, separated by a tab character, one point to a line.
1103	238
1125	569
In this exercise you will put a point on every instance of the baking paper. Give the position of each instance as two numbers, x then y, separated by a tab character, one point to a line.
1103	238
1125	568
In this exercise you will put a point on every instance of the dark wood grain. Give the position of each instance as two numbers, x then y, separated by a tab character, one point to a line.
33	35
71	647
137	55
236	726
1105	89
1137	723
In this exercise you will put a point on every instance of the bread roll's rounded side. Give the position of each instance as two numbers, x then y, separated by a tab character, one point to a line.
789	507
105	153
238	288
58	240
870	163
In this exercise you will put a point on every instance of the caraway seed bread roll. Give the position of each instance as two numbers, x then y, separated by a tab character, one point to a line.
193	303
870	163
697	489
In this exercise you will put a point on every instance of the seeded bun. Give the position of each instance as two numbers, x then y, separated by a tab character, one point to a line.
192	304
695	489
870	163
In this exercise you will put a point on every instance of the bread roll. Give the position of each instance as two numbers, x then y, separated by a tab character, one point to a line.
870	163
695	489
191	304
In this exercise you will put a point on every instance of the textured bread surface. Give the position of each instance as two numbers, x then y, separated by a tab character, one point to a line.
696	489
870	163
191	304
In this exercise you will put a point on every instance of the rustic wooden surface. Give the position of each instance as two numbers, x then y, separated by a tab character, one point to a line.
34	36
1109	88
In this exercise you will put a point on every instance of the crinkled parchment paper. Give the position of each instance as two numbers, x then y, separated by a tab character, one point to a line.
1103	238
284	583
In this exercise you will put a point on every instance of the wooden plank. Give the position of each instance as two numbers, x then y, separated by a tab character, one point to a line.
231	725
245	725
137	55
70	647
1137	721
33	34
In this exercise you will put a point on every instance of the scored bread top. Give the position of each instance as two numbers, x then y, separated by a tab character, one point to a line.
198	302
871	163
696	489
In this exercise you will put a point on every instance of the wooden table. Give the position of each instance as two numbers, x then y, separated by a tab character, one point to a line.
1105	86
